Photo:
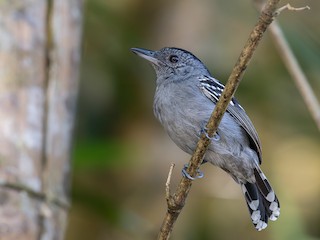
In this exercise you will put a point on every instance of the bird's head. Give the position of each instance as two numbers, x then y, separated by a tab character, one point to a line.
172	64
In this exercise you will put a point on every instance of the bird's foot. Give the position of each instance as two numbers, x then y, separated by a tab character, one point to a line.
215	137
187	175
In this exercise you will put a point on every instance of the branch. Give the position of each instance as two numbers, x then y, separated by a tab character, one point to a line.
290	8
168	195
36	195
177	200
296	72
292	63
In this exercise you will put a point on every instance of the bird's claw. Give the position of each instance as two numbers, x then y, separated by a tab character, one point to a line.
187	175
215	137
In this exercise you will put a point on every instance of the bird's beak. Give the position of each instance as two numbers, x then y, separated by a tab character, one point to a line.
146	54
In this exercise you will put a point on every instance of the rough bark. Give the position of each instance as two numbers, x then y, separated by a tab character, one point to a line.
39	61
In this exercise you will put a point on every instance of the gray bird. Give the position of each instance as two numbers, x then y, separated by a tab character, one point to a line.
185	97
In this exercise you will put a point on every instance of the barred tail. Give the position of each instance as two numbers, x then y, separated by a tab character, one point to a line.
262	202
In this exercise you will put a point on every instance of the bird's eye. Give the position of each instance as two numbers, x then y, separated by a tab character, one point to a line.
173	58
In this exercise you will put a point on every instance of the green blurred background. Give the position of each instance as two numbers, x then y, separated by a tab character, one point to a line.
122	156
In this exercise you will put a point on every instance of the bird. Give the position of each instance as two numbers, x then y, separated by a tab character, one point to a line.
185	96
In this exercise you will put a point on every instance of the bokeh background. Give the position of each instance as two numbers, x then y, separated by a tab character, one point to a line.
122	156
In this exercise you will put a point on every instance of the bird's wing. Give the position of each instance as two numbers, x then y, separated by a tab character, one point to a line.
212	89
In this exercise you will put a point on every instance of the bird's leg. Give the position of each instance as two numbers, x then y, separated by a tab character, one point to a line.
216	137
187	175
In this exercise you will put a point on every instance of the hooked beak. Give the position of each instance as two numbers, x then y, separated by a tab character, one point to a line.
146	54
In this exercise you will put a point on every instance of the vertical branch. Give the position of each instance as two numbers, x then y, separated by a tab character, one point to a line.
22	71
296	72
177	200
39	62
62	88
47	65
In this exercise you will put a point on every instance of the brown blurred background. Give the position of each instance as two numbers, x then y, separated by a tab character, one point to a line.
122	155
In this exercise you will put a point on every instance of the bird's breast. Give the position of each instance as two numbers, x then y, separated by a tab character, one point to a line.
182	115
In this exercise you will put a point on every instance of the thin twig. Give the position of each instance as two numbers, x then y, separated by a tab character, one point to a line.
290	8
296	72
168	195
293	65
177	201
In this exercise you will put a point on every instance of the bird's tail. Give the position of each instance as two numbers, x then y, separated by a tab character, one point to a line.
262	202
